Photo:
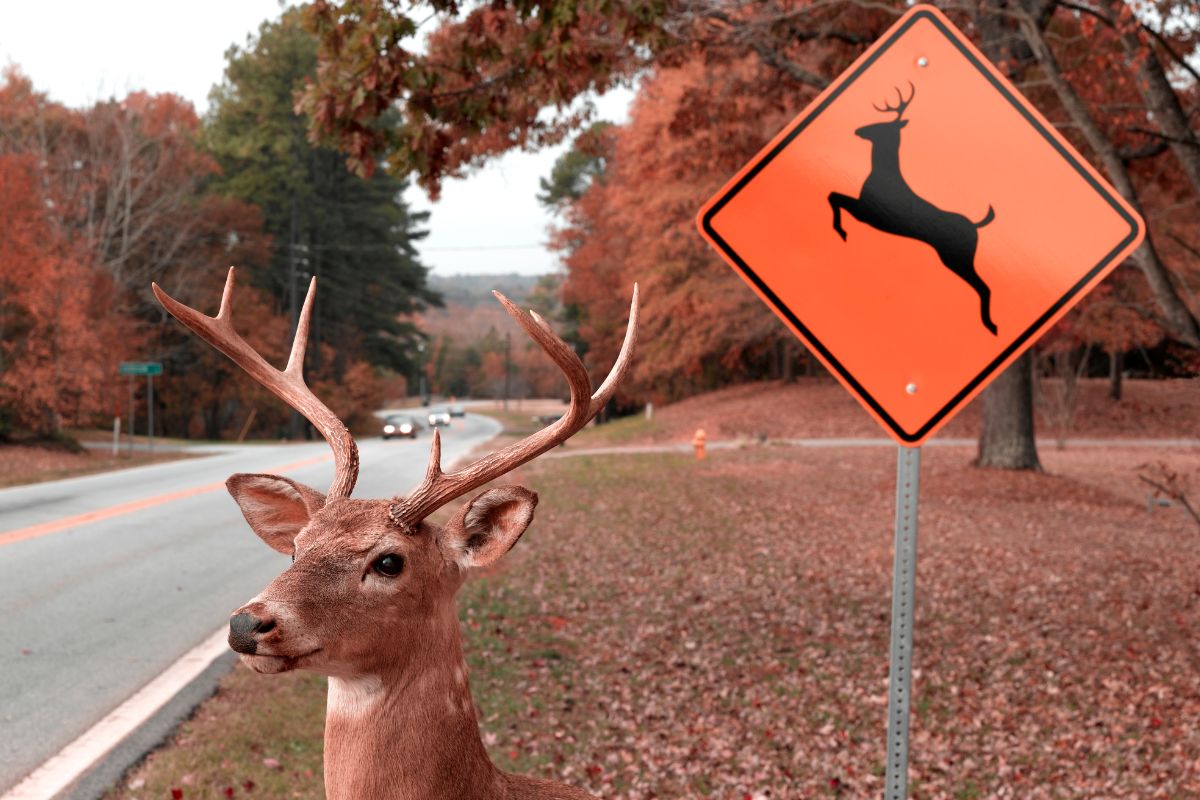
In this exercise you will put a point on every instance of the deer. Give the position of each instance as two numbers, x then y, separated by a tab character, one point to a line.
888	204
369	599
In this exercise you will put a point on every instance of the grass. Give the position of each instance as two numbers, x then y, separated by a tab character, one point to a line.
23	464
105	436
258	736
621	431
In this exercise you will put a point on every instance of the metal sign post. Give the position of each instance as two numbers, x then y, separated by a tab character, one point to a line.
131	416
904	585
150	408
149	369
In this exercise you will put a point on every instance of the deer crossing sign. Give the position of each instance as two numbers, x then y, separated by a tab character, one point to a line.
919	225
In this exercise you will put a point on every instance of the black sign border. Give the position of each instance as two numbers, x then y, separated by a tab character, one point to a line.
1021	340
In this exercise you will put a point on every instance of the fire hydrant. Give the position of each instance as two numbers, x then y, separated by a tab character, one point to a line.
698	440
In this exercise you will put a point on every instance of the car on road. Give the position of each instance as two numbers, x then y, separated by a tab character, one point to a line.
400	426
457	411
439	418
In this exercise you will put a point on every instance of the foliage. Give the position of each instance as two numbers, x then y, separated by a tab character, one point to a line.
56	334
101	201
502	76
474	344
575	170
701	327
110	198
356	235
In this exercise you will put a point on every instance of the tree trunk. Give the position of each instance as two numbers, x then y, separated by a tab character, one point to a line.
296	423
788	353
1177	318
810	365
1007	439
1116	365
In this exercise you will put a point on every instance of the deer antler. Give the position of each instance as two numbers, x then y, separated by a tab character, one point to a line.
438	488
903	103
288	385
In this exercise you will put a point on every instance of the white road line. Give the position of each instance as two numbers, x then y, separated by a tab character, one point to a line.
63	769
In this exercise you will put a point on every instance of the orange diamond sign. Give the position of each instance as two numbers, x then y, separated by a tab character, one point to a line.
920	225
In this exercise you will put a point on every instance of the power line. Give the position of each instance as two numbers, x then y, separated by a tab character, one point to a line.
485	247
419	249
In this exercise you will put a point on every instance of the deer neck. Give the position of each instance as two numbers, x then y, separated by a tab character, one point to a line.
410	732
885	161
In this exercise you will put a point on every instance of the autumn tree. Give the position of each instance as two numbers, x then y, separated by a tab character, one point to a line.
121	194
119	187
56	352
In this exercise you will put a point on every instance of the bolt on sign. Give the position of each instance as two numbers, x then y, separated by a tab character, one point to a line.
920	225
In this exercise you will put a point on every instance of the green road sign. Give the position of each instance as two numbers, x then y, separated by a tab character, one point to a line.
141	368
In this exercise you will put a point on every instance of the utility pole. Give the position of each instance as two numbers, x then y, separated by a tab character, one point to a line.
150	409
507	367
296	421
131	415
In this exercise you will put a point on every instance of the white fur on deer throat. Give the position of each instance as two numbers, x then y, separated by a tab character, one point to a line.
353	697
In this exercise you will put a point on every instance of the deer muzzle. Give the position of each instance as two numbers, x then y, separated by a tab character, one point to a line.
245	630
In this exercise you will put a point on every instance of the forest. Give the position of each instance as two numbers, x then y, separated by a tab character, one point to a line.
297	169
101	201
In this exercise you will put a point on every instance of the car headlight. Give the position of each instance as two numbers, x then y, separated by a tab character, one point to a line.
389	428
406	428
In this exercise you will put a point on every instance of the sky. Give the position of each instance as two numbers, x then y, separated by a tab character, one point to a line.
89	50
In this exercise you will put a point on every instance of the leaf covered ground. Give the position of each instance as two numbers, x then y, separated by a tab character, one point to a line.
22	464
820	407
671	628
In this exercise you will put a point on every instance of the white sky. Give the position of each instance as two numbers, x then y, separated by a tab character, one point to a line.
81	51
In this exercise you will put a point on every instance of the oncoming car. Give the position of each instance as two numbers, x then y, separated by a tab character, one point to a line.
400	426
439	417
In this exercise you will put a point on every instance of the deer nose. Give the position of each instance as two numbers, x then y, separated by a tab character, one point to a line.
244	629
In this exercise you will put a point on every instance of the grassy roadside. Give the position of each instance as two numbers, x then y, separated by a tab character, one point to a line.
672	628
25	464
624	430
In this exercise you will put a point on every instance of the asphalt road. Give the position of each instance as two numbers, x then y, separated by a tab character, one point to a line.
91	613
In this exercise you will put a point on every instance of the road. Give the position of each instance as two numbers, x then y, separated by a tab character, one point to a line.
91	610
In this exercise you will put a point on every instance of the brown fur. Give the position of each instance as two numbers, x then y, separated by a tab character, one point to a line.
401	724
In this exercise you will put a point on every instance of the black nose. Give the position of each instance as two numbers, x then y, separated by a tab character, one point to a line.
242	630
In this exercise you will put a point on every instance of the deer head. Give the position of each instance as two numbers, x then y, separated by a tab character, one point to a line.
372	582
884	132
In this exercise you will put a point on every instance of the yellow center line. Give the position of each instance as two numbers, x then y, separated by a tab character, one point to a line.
54	526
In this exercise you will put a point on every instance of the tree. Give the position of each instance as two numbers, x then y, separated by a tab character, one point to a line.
57	343
355	234
118	195
701	327
1015	36
574	171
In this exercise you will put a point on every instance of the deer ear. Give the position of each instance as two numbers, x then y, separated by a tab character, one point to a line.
276	508
487	527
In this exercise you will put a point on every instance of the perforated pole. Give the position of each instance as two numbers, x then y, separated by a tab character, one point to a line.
904	585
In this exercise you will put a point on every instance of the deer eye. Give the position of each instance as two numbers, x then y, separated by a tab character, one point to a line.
388	565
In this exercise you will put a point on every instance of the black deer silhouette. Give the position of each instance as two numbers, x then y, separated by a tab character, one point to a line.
887	203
